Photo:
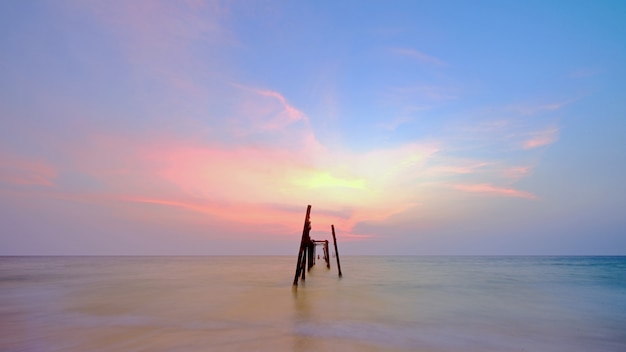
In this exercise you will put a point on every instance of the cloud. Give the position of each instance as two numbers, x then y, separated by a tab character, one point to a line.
372	186
458	168
493	190
510	127
516	172
241	213
274	113
292	113
419	56
18	170
541	138
528	109
264	180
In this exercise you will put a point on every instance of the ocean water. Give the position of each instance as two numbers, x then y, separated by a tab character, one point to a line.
248	304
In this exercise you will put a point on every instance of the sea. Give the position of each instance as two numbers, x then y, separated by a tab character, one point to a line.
248	303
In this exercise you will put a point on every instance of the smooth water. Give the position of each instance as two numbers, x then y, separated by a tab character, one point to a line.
248	304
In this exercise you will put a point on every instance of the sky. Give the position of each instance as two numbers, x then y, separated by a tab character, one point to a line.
415	127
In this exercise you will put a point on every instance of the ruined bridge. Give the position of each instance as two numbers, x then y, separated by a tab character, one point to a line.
306	255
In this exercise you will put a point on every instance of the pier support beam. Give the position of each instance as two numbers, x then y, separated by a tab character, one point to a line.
305	243
326	254
310	251
336	251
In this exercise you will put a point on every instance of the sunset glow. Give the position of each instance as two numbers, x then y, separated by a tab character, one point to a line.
210	124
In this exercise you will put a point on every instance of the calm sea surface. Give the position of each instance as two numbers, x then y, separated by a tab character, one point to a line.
247	304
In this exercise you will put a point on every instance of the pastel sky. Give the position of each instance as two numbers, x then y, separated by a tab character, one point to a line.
415	127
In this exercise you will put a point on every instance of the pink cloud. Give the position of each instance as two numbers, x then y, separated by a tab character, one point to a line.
458	169
239	174
493	190
292	113
239	212
346	189
260	217
516	172
265	110
23	171
239	185
541	138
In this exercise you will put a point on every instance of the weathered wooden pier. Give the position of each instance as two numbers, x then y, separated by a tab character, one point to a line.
307	253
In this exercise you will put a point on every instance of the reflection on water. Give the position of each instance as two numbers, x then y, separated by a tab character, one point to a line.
247	303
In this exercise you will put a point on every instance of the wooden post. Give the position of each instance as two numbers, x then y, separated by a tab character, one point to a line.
326	254
300	265
310	255
298	268
304	255
336	251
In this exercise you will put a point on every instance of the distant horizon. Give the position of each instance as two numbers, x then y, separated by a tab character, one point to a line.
295	256
424	127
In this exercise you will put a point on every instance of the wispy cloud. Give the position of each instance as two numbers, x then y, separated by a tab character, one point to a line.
528	109
516	172
488	189
268	109
292	113
25	171
456	168
256	214
541	138
419	56
523	126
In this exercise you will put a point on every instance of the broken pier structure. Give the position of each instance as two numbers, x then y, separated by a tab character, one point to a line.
307	252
